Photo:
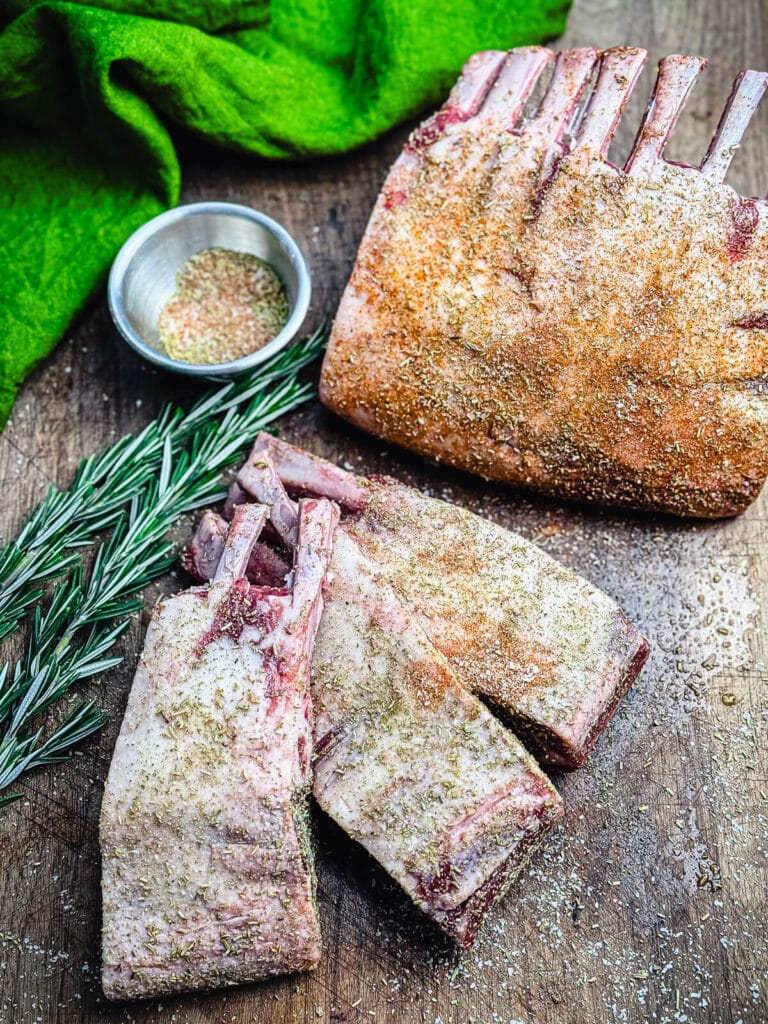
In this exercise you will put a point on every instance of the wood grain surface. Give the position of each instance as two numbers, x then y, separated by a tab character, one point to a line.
650	903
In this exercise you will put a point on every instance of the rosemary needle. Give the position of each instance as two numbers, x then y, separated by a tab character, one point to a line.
134	491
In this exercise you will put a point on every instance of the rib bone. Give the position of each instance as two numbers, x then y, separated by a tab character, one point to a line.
619	70
258	477
676	78
747	92
241	538
474	83
572	73
515	83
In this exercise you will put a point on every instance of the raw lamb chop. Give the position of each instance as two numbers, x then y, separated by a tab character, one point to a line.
552	652
207	869
523	309
407	762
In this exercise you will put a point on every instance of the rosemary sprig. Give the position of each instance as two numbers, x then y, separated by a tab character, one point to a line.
105	482
172	467
49	668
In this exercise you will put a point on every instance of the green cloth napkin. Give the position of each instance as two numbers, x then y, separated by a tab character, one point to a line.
90	97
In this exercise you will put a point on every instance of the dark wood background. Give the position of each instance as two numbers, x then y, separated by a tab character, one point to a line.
650	903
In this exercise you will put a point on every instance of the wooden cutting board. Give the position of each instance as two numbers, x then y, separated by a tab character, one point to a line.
649	904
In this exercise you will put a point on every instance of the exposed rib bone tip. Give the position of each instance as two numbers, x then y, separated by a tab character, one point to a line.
620	68
621	54
475	81
514	84
677	74
529	52
483	57
572	74
746	94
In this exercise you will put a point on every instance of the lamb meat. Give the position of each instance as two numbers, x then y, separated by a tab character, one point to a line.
552	652
524	309
207	869
408	762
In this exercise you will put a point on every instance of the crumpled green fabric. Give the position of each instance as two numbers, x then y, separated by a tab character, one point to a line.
90	97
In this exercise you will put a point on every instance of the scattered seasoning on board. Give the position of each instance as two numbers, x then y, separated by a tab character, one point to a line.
227	305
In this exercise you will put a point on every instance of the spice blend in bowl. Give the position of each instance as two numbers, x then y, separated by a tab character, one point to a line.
209	290
228	304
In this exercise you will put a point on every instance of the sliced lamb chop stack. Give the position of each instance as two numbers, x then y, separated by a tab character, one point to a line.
408	762
207	869
552	652
523	309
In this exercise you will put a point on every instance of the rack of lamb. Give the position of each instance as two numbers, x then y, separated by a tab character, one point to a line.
523	309
207	868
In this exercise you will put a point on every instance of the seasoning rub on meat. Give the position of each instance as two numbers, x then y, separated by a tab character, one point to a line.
207	868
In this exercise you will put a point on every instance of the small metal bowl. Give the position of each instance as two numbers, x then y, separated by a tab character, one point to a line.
143	276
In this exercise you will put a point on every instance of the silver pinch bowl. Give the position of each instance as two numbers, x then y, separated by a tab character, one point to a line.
143	276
